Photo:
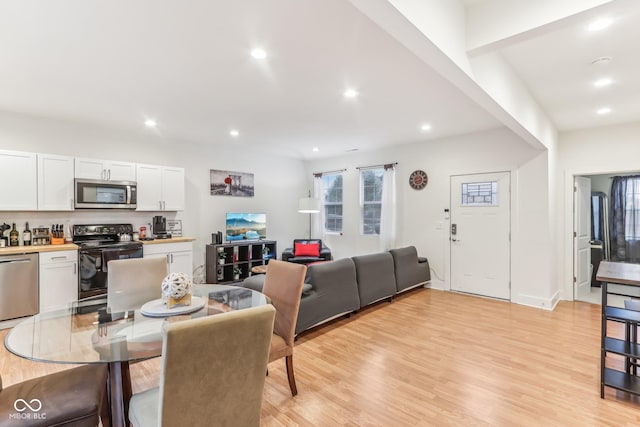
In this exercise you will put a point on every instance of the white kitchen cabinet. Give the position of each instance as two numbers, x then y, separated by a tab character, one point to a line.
18	173
179	256
55	182
58	279
109	170
160	188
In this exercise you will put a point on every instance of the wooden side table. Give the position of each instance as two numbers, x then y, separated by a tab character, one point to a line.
259	269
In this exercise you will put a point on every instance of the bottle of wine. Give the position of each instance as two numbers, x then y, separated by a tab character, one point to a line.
26	235
13	236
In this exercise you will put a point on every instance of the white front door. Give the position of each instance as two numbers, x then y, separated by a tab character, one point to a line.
480	234
582	236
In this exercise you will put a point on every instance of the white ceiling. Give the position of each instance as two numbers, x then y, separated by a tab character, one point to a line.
188	66
554	62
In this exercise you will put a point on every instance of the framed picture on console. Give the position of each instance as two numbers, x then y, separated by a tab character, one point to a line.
227	183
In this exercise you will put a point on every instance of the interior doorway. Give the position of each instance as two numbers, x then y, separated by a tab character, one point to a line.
613	234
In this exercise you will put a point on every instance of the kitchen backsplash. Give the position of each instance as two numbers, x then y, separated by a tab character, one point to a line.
67	219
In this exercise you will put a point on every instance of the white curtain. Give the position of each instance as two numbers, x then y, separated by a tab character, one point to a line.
317	229
388	210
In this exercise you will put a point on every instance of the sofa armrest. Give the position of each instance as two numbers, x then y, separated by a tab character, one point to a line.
287	253
326	253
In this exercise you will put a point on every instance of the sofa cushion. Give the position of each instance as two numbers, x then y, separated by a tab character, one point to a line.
306	249
410	270
334	293
375	276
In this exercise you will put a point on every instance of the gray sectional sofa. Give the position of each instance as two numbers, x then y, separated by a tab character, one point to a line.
335	288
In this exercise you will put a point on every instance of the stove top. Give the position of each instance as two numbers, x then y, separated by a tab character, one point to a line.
103	235
98	230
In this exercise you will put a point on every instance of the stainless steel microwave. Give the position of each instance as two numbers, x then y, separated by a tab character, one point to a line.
98	194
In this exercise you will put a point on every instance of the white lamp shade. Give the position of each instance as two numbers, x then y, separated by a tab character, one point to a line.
309	205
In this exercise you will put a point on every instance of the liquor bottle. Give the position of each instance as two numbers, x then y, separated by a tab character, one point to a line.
26	235
13	236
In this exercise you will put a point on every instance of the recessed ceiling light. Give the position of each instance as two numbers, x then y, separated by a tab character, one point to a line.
602	82
599	24
234	132
350	93
603	110
425	127
150	123
315	149
259	53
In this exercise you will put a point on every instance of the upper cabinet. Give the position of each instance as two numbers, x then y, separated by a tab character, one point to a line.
55	182
160	188
18	171
109	170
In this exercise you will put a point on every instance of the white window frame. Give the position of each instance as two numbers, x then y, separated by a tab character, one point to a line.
379	170
326	203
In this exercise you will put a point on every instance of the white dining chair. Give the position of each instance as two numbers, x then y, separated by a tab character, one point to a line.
132	282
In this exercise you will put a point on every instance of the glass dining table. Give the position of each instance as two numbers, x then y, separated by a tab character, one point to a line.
72	335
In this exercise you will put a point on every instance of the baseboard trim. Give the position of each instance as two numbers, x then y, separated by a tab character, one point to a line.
537	302
435	284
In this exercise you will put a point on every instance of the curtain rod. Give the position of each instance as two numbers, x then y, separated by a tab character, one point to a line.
319	174
386	166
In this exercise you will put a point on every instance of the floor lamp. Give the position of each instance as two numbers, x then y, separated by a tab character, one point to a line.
310	206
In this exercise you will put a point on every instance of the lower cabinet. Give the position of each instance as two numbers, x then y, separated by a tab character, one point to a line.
179	256
58	279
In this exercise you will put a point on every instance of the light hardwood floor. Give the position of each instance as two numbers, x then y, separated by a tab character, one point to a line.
434	358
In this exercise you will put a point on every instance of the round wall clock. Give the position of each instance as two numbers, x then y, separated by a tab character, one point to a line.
418	179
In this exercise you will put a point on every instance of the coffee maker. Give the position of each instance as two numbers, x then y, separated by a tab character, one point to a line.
160	227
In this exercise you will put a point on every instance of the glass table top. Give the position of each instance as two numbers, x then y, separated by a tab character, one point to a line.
71	336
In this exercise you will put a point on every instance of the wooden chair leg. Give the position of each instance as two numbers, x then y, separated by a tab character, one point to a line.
292	380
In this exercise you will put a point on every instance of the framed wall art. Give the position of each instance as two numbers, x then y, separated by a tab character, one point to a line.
227	183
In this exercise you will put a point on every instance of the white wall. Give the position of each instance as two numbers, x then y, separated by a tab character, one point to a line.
421	213
279	181
588	152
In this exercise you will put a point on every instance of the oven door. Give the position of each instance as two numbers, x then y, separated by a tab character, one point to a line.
96	194
93	268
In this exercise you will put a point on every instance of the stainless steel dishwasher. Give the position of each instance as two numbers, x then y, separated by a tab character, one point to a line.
19	288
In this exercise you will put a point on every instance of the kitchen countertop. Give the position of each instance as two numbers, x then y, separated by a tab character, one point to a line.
171	240
11	250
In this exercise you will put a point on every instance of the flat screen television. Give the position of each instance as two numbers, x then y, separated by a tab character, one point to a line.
246	226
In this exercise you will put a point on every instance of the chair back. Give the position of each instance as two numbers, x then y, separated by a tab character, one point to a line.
214	367
283	284
132	282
